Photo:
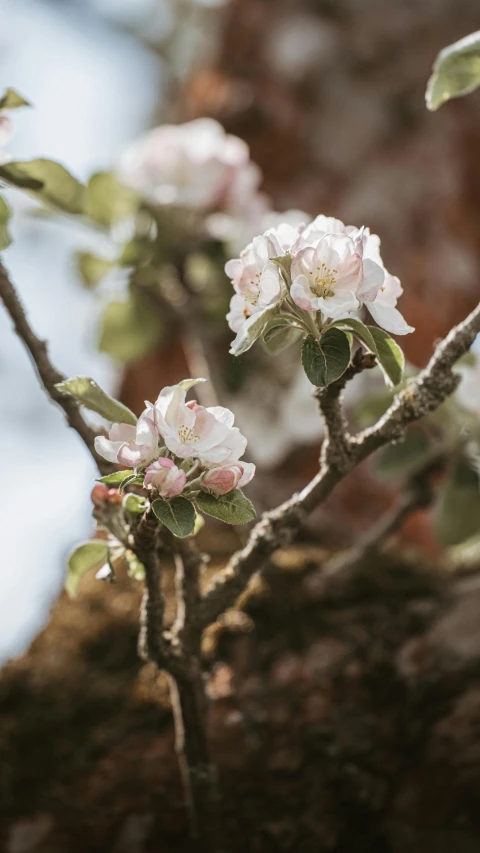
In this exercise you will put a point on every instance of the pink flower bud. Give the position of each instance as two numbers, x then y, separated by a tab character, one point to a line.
164	476
99	494
222	480
114	496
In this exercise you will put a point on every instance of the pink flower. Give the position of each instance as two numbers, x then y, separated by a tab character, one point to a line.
224	479
257	281
131	446
164	475
190	430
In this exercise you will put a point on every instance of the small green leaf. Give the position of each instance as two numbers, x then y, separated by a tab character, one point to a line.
233	508
90	395
5	213
126	482
12	100
50	182
326	360
457	514
135	568
178	515
456	71
402	459
92	268
390	356
251	330
280	334
134	503
129	330
108	201
82	560
114	479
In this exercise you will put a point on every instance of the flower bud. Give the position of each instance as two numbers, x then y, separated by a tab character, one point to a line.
99	494
164	476
114	496
223	479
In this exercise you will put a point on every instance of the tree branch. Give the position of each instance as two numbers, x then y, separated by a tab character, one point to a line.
48	374
422	395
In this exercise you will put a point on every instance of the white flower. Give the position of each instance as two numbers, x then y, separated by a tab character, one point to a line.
190	430
166	477
379	301
257	281
131	446
195	165
326	277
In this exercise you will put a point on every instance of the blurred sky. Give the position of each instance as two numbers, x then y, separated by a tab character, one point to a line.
94	86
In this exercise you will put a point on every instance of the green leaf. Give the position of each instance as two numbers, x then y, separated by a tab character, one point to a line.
326	360
90	395
457	513
135	568
390	356
251	330
5	213
456	71
280	334
107	201
92	268
114	479
50	182
178	515
82	560
129	330
402	459
134	503
126	482
12	100
233	508
360	330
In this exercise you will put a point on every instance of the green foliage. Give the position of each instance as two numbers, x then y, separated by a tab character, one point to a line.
91	268
107	201
177	514
233	508
114	479
134	503
457	513
390	356
5	214
326	360
279	334
404	458
90	395
130	478
251	330
456	71
48	181
12	100
129	330
82	560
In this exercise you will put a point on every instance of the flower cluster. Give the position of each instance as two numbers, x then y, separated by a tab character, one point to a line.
181	448
194	165
315	275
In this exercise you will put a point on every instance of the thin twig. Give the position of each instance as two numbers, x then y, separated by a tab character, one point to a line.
151	643
48	374
422	395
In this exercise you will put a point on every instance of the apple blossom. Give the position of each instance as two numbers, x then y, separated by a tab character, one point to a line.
132	446
195	165
257	281
327	276
164	476
190	430
223	479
